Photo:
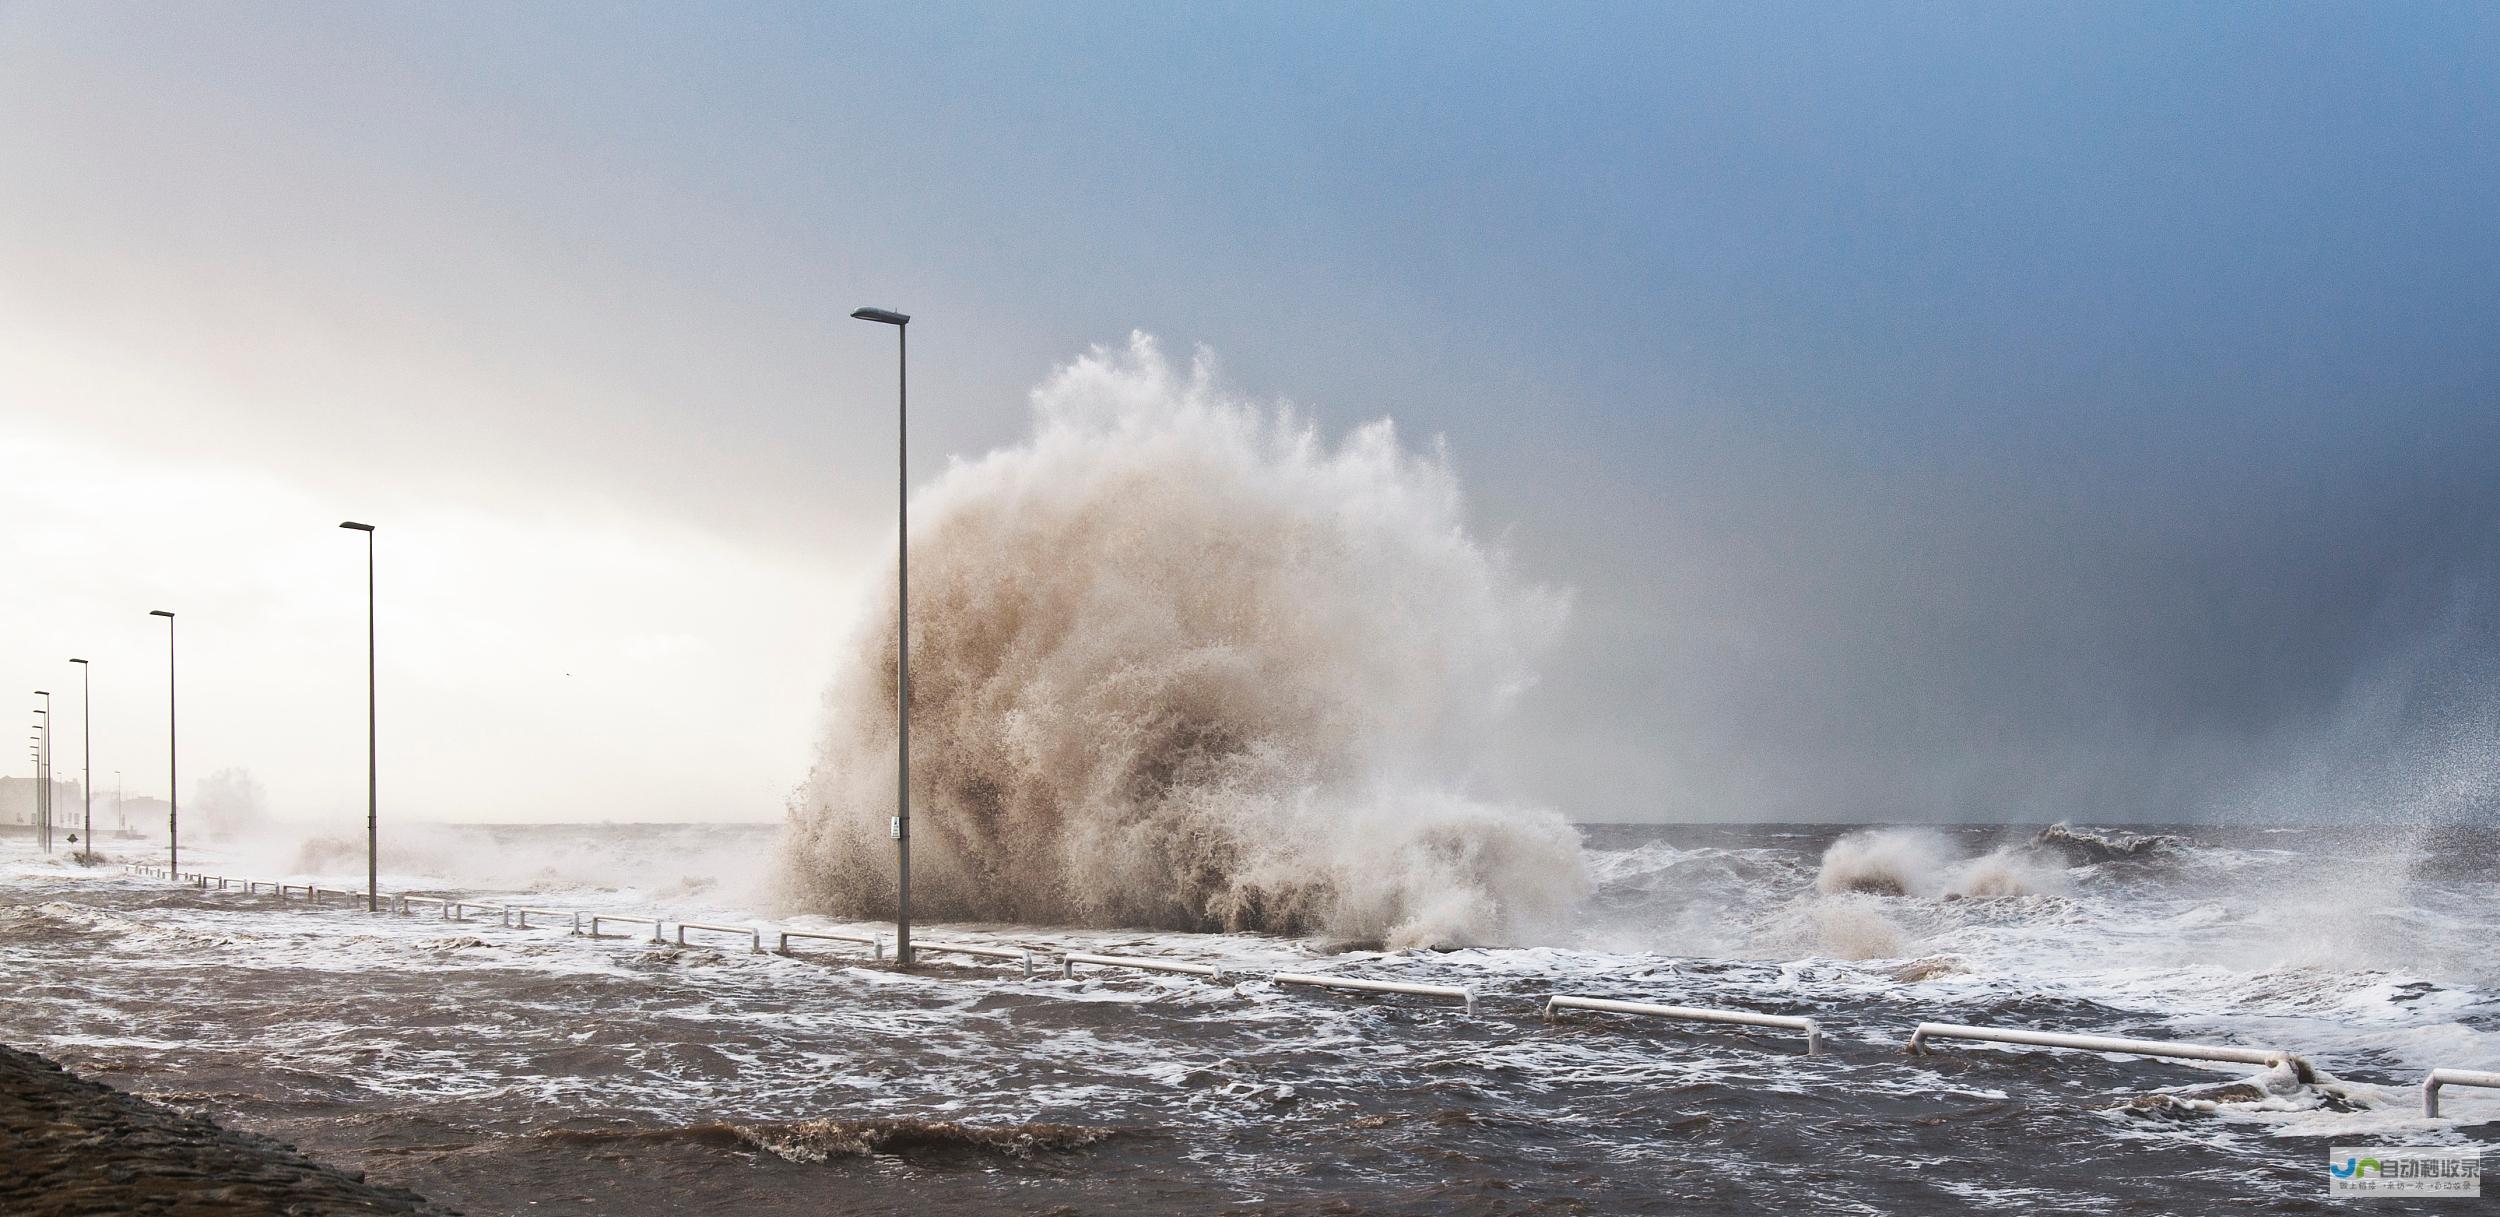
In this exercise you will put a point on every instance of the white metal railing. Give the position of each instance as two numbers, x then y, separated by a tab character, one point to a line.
653	922
457	909
755	937
875	945
1068	961
1745	1018
2104	1043
2452	1077
1377	986
1010	954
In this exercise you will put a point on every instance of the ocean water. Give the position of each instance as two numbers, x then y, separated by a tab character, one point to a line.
510	1070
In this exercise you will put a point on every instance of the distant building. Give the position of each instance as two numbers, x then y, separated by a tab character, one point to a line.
17	801
142	814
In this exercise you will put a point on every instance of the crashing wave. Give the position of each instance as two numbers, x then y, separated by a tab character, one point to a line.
1178	663
1922	862
2093	846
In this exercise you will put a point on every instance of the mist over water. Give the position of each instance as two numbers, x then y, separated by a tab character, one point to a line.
1180	662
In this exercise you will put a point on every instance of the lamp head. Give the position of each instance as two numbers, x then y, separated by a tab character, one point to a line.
77	660
358	527
886	316
158	613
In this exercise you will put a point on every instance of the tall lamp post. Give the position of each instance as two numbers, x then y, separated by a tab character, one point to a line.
43	762
373	780
173	756
902	627
86	758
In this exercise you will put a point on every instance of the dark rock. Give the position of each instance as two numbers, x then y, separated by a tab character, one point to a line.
73	1148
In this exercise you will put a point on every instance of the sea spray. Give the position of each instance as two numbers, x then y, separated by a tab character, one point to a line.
1177	662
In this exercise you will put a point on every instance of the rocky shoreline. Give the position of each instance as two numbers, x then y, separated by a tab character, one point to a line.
69	1146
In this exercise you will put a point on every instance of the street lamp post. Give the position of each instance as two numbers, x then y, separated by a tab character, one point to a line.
173	755
373	780
43	764
86	757
902	627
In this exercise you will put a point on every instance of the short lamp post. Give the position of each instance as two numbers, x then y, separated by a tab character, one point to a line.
373	780
86	759
173	755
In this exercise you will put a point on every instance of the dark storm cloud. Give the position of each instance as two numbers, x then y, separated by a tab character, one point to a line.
1826	642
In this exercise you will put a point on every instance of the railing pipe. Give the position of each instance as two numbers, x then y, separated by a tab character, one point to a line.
653	922
521	917
1377	986
1011	954
875	945
1068	961
755	937
2104	1043
2452	1077
1745	1018
441	905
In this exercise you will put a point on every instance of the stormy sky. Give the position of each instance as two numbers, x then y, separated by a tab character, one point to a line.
1938	411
